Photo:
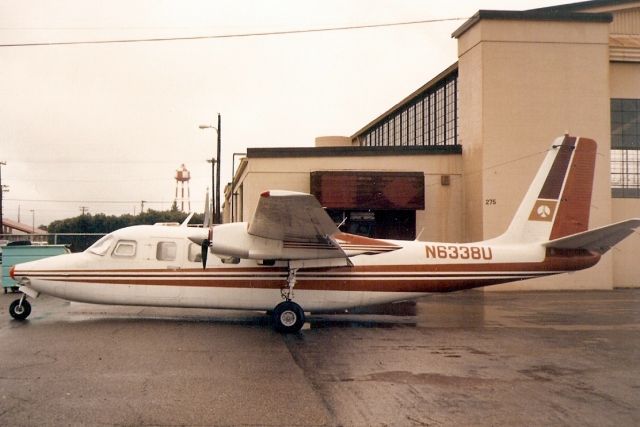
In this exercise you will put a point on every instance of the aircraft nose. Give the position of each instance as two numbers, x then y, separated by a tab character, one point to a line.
21	272
54	263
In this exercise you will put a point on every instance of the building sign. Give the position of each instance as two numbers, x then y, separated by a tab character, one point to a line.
368	190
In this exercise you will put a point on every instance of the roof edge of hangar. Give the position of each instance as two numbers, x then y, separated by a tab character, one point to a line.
590	4
280	152
532	15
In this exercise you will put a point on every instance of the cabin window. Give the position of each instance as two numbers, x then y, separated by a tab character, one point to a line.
195	253
125	249
101	246
166	251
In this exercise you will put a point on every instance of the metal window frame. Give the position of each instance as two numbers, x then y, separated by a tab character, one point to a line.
435	111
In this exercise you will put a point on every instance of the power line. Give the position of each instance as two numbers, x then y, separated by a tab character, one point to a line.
100	161
86	201
238	35
147	28
103	181
94	201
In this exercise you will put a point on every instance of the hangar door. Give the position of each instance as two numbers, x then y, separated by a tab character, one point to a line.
373	204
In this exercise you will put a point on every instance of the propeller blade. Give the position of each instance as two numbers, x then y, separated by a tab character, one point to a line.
205	252
207	211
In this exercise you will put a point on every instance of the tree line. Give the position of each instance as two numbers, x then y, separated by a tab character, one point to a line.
104	224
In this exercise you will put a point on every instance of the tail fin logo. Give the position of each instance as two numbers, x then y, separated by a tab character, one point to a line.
543	210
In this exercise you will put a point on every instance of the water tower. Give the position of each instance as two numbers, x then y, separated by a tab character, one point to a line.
182	182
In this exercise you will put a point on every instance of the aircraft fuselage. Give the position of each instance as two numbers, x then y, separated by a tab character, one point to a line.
415	268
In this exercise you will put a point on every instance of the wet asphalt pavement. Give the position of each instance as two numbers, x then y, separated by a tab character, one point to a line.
470	358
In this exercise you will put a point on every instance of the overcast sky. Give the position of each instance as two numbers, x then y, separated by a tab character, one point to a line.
81	125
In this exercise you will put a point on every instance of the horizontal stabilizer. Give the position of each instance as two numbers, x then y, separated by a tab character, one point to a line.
598	240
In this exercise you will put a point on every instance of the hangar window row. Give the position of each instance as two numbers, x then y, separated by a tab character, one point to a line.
430	118
625	148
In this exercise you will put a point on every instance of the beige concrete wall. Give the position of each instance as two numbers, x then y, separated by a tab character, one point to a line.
625	80
470	117
440	221
333	141
626	17
626	21
537	80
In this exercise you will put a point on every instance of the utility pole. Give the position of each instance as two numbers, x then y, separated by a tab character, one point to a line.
33	220
218	219
215	189
1	197
213	183
84	209
142	202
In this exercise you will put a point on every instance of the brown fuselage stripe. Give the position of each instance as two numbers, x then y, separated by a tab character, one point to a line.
383	285
409	278
354	239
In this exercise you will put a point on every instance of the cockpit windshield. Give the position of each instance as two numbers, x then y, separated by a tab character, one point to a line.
101	246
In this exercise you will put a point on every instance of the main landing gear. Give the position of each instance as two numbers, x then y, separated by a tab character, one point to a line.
288	317
20	309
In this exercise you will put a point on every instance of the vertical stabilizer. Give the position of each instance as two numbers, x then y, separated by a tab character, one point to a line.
559	199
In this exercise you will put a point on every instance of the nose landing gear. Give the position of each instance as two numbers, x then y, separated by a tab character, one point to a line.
20	309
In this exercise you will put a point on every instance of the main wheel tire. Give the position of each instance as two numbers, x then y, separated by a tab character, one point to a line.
288	317
18	311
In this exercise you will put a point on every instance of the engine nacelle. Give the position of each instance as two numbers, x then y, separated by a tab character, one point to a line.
233	240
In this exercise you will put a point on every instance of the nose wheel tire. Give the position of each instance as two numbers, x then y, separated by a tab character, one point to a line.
288	317
20	311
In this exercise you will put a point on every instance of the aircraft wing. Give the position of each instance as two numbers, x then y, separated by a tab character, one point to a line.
597	240
291	216
288	226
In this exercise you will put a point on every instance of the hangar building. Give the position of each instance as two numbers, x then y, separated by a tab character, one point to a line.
451	161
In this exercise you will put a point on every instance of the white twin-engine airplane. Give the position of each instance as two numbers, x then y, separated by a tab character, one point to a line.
292	258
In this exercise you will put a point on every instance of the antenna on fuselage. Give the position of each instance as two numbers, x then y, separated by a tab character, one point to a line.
187	219
344	221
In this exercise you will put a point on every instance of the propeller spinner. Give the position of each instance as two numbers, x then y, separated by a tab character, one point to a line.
204	247
198	237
